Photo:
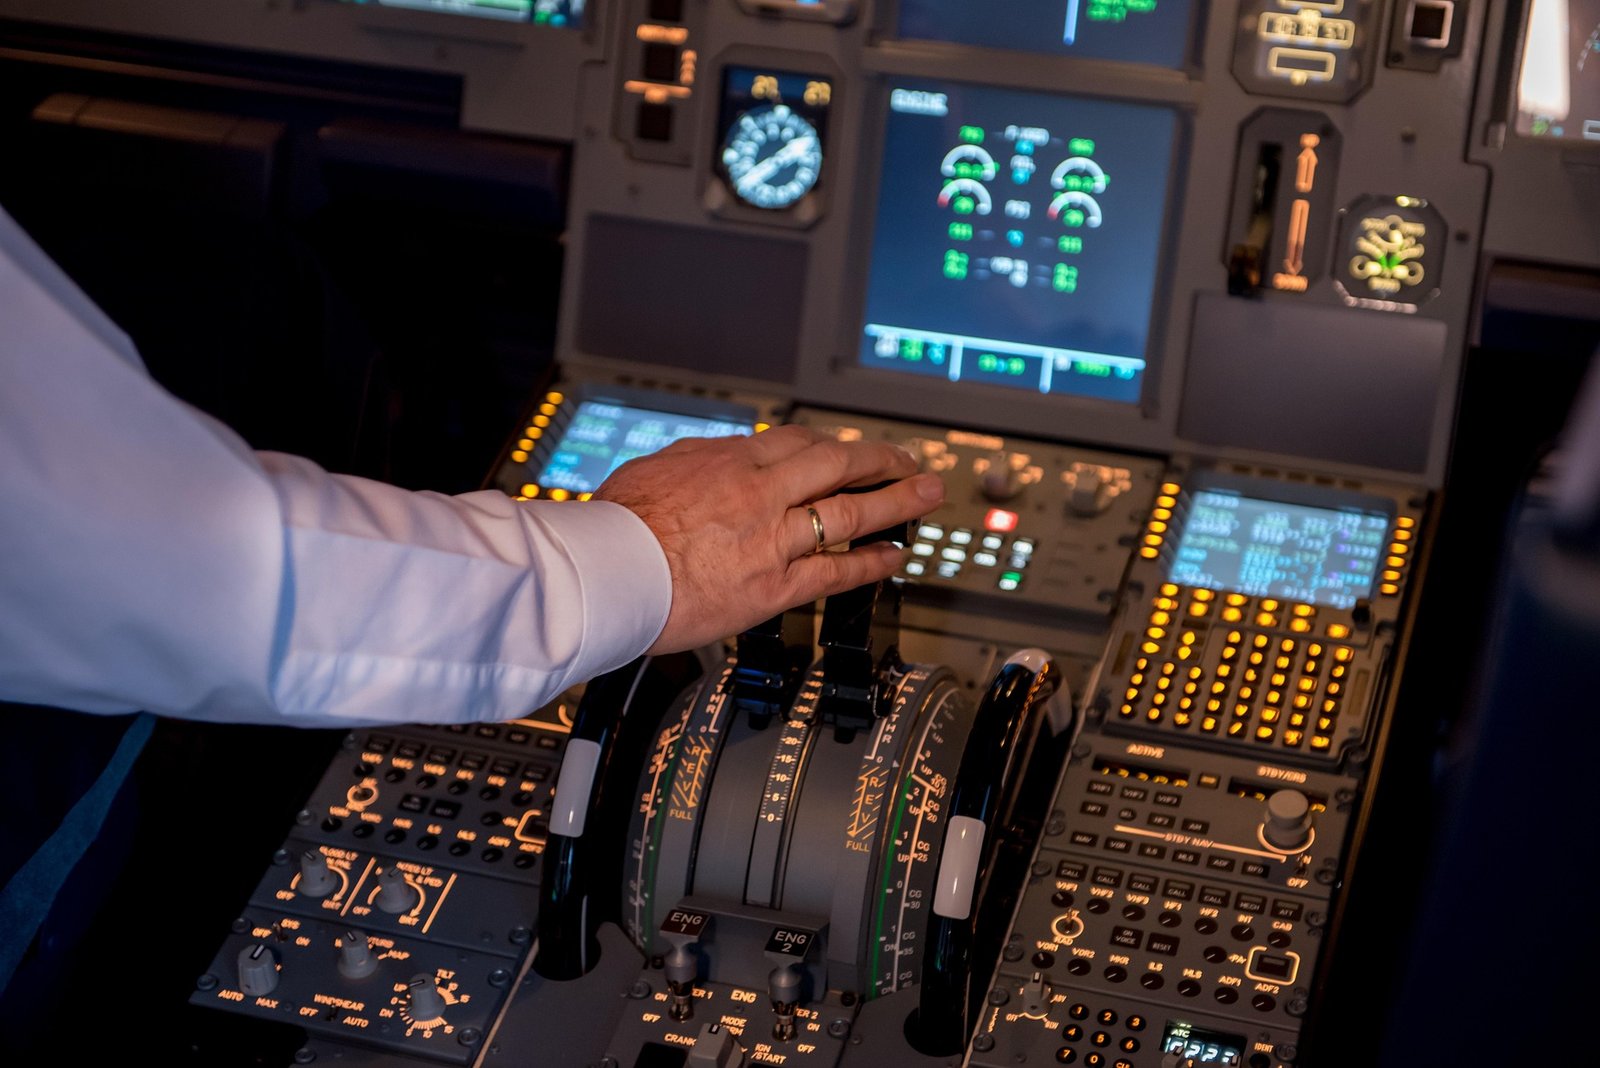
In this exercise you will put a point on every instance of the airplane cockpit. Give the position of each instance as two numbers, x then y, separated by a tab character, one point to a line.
1211	720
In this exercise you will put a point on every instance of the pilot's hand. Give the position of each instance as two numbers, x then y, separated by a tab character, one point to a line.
732	516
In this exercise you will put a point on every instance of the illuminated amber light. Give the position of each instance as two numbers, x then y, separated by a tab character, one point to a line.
1399	548
1184	652
1269	605
1165	604
1344	652
1162	514
1127	710
1159	619
1260	641
530	490
760	427
1169	488
1338	630
1157	527
662	34
1150	647
1314	649
1203	595
1164	682
541	421
1198	609
559	494
1148	553
1405	522
1303	610
518	456
1231	615
1154	715
1155	632
1180	719
1278	678
1165	502
1214	705
1152	540
1219	687
1292	737
1224	670
1320	742
1141	663
1168	668
1402	535
1169	590
547	408
1236	728
525	444
1388	589
1209	723
1266	619
555	396
1394	561
585	496
1237	598
1302	701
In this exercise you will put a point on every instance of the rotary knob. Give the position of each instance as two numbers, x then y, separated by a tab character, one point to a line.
356	959
1088	496
316	875
1000	481
424	998
395	895
1288	823
258	970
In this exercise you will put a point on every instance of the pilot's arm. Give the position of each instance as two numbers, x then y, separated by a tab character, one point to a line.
149	559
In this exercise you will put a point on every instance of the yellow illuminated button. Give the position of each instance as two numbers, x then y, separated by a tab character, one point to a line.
1164	682
1237	599
1159	619
1282	663
1149	647
1158	699
1219	687
1155	632
1302	700
1266	619
1274	697
547	408
1168	668
1390	576
1213	705
1300	626
555	396
1199	609
1236	728
1224	670
1153	715
1297	719
1165	604
530	490
1203	595
1184	652
559	494
1132	694
1140	664
541	421
1127	710
1338	630
1292	737
1388	589
1209	723
1269	605
525	444
1320	742
518	456
1270	715
1402	535
1149	553
1405	522
1395	561
1161	513
1330	706
1277	678
1231	615
1260	641
1169	589
1181	719
1157	527
1304	610
1343	652
1169	487
1264	734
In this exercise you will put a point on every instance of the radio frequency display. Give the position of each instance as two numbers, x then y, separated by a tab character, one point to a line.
1017	239
1325	556
544	12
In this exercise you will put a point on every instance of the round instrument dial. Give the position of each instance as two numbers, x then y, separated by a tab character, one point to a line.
773	157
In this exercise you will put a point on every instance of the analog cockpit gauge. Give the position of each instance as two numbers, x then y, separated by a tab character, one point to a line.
774	125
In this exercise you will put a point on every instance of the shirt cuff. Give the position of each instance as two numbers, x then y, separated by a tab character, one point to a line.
623	573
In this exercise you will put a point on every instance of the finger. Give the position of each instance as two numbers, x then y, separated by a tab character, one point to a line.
829	466
825	574
781	442
850	515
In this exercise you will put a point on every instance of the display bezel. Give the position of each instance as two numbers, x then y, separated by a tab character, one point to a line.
1295	494
923	397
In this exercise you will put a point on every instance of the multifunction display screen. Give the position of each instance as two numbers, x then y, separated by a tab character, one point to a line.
1263	548
603	436
1136	31
1558	89
544	12
1017	238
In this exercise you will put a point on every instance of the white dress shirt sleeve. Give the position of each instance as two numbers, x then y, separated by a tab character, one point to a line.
150	560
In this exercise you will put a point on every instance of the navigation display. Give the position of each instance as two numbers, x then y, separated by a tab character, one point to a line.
544	12
1558	89
603	436
1135	31
1325	556
1016	239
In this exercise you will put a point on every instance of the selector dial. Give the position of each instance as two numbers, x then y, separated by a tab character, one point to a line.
395	895
1288	823
999	478
356	959
258	970
317	878
424	997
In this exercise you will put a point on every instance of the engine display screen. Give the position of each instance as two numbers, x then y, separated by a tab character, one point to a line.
603	436
543	12
1136	31
1558	89
1264	548
1016	239
1203	1047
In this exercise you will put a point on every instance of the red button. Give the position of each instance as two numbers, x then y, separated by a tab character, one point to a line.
1000	521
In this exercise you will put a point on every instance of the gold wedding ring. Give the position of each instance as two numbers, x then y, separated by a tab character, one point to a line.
816	528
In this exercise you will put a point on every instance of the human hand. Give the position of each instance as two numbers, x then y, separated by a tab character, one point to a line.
731	515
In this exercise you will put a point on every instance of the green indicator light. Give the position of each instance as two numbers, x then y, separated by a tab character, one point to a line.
960	231
1073	217
963	205
1081	146
969	169
972	135
955	264
1064	278
1069	243
1093	370
911	349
